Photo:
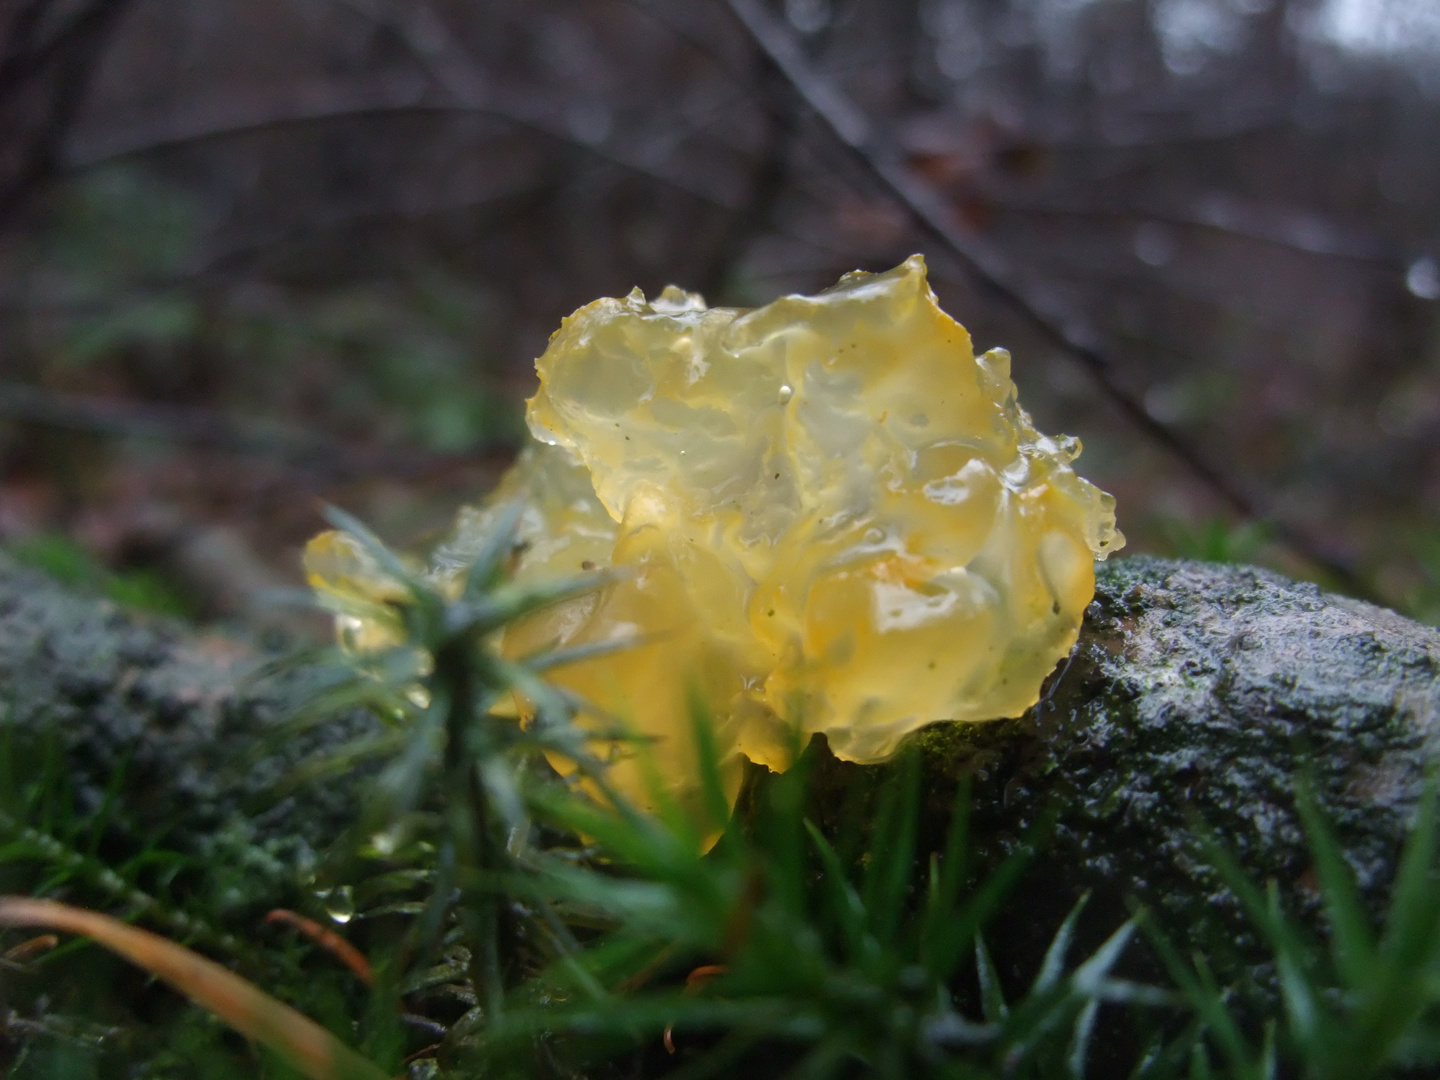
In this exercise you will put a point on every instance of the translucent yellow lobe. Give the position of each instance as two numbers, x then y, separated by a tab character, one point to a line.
833	513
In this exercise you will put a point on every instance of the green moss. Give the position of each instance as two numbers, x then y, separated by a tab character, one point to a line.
73	566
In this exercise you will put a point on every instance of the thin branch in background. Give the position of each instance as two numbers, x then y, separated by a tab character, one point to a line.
992	271
767	185
67	60
332	99
1277	226
208	430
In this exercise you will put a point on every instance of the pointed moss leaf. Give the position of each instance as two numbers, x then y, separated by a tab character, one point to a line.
821	1063
781	838
341	760
1420	1045
498	776
548	659
1205	999
489	562
1354	944
1052	1003
358	607
945	885
1125	992
1091	974
392	565
841	897
554	706
1299	993
707	751
992	997
1410	930
385	702
1080	1040
1407	954
878	852
1053	966
952	939
642	842
1251	898
398	788
1223	1026
665	807
950	1030
1293	960
509	602
889	867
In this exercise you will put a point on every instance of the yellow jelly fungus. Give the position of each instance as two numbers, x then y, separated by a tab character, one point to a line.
829	512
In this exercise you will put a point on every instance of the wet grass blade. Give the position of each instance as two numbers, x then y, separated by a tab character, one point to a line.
1080	1043
717	805
954	935
1209	1006
387	561
489	562
842	899
1293	961
892	849
1354	943
548	659
1053	966
1409	947
992	998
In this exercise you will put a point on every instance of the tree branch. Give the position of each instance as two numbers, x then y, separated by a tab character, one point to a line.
206	429
68	57
1218	212
990	269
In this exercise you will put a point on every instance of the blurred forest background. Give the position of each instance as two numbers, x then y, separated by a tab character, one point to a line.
260	254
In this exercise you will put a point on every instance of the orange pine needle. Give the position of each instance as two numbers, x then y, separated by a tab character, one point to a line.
329	940
693	983
242	1005
28	950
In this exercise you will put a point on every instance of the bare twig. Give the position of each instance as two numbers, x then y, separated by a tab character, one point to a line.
204	429
1278	226
331	99
766	186
298	104
66	60
989	267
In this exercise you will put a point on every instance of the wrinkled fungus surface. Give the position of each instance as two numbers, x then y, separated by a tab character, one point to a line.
829	511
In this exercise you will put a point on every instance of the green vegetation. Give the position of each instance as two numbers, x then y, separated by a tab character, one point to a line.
119	296
70	564
521	924
1215	539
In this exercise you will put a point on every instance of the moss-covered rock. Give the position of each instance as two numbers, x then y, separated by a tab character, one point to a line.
171	720
1197	696
1196	693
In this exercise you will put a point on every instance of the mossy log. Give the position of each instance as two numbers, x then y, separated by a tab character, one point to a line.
1197	697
